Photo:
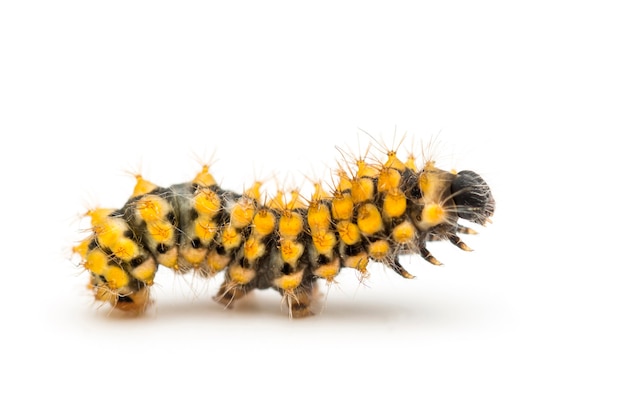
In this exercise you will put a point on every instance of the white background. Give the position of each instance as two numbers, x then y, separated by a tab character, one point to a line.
532	95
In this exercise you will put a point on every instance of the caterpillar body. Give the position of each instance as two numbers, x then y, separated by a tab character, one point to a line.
376	211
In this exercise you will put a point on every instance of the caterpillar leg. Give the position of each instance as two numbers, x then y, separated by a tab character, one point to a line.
399	269
461	229
426	255
235	285
230	292
456	241
300	299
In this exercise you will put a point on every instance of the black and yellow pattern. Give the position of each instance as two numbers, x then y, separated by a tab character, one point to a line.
376	212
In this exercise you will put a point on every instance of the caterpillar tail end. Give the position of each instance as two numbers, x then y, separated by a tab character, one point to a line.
133	302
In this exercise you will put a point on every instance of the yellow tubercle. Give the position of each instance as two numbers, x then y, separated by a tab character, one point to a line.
207	202
264	222
142	186
103	294
125	249
410	163
278	201
379	249
145	271
109	230
430	166
432	214
161	231
324	241
152	208
290	224
349	233
342	207
425	185
242	213
205	229
362	190
328	271
369	219
204	178
295	201
365	170
291	251
403	232
345	182
254	192
169	258
319	193
99	216
96	261
289	282
393	161
230	238
389	179
358	262
394	204
193	255
82	248
116	277
217	262
253	249
318	217
241	275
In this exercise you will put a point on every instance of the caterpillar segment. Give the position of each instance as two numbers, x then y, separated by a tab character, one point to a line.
376	212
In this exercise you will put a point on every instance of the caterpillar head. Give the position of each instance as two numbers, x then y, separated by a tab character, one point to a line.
441	197
472	197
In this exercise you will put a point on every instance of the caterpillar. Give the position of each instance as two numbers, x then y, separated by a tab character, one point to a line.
375	212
